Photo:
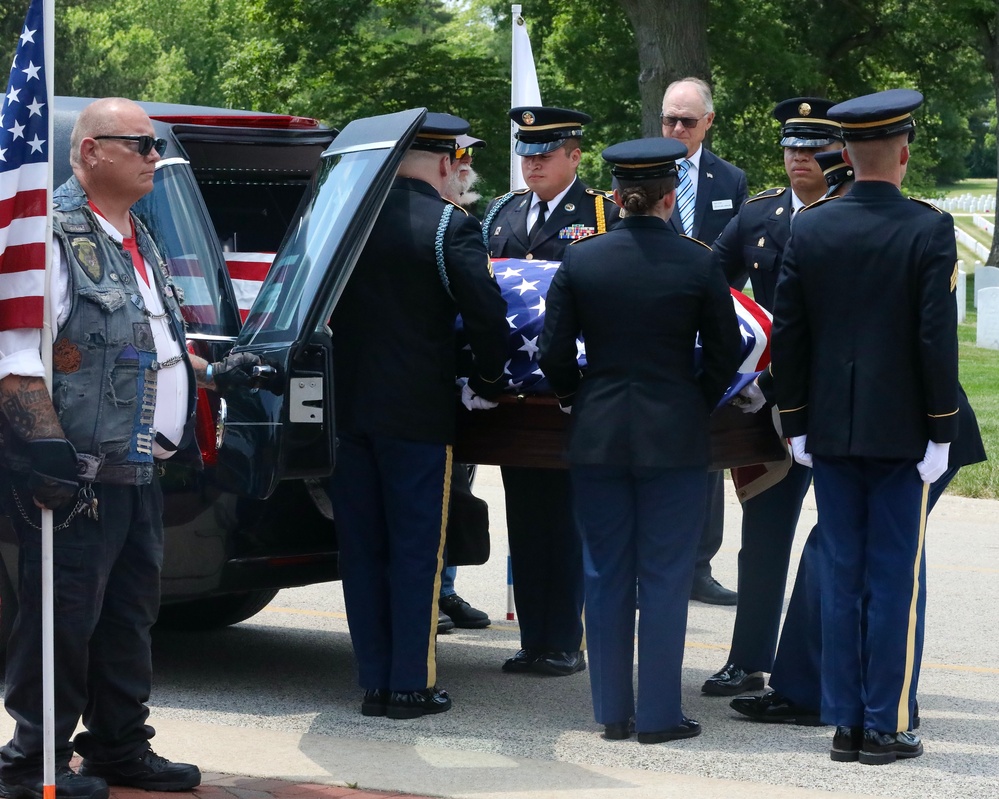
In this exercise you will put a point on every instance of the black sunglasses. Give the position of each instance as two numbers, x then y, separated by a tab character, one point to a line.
687	122
145	143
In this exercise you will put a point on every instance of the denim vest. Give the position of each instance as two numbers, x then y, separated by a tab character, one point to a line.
104	359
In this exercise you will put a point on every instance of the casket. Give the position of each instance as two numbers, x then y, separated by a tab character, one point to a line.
530	430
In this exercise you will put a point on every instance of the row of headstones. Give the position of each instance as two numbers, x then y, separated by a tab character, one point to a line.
983	223
986	302
973	244
968	203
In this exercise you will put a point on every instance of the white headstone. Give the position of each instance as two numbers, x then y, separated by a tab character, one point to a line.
986	277
988	318
961	294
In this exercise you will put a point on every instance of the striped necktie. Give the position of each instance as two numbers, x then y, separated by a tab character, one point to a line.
685	197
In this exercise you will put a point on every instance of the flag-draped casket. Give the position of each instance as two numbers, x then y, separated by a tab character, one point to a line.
528	429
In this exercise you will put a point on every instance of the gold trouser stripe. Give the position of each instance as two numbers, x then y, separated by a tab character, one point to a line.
432	643
910	636
598	205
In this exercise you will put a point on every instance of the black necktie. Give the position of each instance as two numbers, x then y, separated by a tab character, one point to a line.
536	227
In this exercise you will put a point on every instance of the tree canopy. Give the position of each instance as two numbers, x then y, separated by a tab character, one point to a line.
363	57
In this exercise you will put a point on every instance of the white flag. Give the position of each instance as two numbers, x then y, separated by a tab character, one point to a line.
523	86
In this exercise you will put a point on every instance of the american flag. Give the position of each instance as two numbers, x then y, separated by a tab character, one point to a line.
524	285
24	180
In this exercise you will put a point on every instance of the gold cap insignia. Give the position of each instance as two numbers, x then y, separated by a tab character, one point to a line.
805	109
86	254
527	117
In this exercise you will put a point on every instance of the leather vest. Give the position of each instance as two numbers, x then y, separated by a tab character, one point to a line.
104	359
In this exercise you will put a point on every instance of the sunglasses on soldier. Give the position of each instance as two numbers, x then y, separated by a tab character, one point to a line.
461	152
144	144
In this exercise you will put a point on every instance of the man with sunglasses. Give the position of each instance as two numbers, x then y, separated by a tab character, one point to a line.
123	393
709	193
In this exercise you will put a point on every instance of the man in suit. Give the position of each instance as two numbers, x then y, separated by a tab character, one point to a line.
545	547
752	245
865	359
423	263
710	192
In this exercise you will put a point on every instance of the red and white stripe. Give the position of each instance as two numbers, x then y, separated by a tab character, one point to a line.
759	320
23	227
247	271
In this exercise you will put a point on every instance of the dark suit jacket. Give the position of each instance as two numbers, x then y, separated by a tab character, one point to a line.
753	242
721	191
865	326
394	326
581	207
639	294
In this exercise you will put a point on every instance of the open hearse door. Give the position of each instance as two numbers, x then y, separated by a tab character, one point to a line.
283	428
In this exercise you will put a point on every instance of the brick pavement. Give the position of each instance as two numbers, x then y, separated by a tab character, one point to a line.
227	786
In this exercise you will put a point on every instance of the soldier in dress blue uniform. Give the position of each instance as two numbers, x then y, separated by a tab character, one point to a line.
865	366
752	245
395	367
540	221
640	295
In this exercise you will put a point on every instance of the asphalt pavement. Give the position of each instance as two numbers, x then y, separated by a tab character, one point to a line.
270	707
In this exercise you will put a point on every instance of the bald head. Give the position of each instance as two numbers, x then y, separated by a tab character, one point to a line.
100	118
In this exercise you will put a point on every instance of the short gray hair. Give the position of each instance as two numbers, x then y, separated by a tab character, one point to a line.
702	87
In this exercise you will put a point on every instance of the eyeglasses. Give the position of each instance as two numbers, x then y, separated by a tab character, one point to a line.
461	152
145	144
687	122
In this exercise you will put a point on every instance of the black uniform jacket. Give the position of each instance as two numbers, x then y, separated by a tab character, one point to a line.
753	242
582	212
865	326
721	191
639	294
394	326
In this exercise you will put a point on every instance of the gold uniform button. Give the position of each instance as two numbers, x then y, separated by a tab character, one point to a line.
529	257
756	266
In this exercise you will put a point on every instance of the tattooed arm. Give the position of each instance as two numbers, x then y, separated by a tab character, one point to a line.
28	407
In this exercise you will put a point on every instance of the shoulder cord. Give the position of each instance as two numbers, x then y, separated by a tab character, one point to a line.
439	247
488	221
598	204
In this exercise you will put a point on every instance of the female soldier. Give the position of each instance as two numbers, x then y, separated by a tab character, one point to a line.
643	297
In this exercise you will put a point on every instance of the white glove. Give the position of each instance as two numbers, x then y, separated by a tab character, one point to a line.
934	462
565	408
473	401
798	444
749	399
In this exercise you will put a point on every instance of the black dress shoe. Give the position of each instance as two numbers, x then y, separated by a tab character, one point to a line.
732	680
462	614
885	747
772	707
619	730
711	592
846	744
149	772
444	623
374	702
521	662
69	785
559	664
413	704
688	728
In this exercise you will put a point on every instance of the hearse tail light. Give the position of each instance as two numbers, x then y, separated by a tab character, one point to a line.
282	121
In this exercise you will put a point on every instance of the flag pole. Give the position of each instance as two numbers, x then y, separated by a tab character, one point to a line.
523	86
48	638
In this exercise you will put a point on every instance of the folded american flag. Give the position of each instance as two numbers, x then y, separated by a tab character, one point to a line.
247	271
524	285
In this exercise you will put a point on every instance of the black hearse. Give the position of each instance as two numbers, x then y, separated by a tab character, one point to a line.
256	518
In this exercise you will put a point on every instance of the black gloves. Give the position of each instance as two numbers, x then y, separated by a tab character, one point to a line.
53	480
233	371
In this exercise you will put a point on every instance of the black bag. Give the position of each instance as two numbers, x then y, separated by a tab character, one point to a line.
467	522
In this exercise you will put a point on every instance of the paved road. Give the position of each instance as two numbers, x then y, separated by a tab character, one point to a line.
276	696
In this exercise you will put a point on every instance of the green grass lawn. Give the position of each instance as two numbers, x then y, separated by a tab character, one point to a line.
979	376
973	186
